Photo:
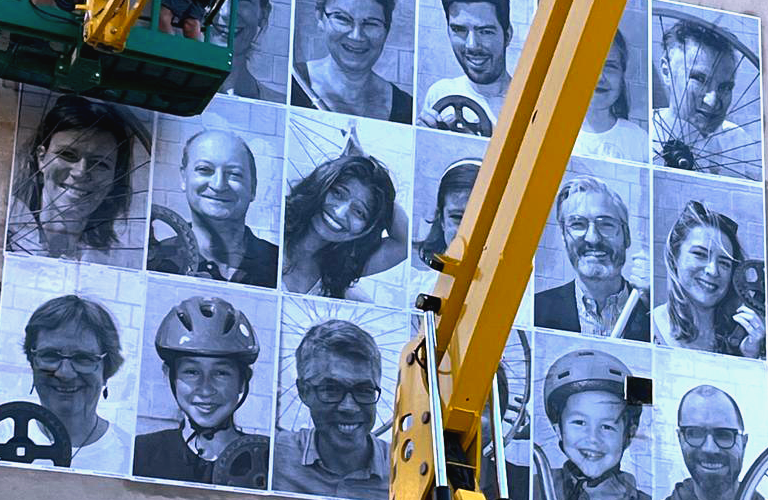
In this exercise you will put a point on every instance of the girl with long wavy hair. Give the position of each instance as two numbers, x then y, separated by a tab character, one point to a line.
342	223
703	308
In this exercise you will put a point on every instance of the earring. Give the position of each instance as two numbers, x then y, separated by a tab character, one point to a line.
105	392
32	389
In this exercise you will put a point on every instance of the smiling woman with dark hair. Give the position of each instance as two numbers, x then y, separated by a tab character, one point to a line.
72	184
354	32
73	348
335	220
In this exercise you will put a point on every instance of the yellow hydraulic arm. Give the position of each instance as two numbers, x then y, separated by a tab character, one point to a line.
486	269
108	22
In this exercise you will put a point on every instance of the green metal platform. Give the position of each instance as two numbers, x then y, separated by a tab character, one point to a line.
43	46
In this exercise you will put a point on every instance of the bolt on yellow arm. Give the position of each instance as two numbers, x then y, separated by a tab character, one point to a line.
108	22
488	264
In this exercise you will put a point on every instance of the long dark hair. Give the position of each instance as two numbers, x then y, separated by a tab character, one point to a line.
696	214
341	264
459	176
72	112
620	108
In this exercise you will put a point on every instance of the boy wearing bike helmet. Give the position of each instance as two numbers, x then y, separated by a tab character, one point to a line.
207	347
584	401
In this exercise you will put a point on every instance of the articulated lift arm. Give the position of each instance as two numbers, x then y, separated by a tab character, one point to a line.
107	23
487	267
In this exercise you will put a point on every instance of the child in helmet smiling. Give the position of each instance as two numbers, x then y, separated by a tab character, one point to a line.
584	401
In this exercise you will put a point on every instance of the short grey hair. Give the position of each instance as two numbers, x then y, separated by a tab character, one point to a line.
589	184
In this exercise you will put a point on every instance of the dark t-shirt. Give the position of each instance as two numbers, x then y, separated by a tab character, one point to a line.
402	102
258	267
164	454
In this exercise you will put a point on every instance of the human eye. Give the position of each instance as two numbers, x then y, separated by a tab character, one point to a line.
726	87
203	169
698	76
459	30
577	223
487	31
68	155
609	427
373	24
341	18
223	373
725	263
48	355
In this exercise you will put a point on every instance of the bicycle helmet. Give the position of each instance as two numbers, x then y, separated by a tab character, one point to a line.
585	370
206	327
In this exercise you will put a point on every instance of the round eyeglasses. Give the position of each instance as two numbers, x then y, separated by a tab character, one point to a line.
344	23
335	393
605	225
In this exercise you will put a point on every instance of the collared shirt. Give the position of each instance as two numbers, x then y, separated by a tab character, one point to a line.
599	323
258	267
298	467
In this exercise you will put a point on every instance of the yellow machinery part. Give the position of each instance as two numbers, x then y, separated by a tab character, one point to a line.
488	265
108	23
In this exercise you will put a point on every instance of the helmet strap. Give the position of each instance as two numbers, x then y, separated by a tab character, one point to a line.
209	432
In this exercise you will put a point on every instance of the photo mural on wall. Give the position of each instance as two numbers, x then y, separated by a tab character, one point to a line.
220	301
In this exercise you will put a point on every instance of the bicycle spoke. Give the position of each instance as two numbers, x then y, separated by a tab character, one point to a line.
303	146
295	121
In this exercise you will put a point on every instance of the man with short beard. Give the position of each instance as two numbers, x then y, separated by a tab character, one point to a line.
593	220
479	32
712	440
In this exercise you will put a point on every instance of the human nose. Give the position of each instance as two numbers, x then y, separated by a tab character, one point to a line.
205	387
709	444
710	98
591	235
711	268
341	209
348	403
65	370
356	33
218	180
471	41
79	169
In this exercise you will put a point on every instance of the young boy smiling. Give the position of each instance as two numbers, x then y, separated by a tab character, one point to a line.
584	398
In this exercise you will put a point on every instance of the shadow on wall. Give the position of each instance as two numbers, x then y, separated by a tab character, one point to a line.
9	98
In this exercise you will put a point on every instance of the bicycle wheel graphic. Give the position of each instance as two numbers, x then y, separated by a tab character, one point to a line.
706	92
755	480
388	328
80	182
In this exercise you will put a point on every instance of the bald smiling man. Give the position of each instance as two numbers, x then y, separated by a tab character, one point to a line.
712	440
218	176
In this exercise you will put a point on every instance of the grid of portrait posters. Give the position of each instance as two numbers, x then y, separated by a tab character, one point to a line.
220	301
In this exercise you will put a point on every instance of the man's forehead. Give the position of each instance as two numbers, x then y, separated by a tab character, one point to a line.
475	13
218	141
692	53
587	202
341	367
711	410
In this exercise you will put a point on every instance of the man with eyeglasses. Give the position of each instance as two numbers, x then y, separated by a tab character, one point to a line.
338	369
252	21
593	220
712	440
479	32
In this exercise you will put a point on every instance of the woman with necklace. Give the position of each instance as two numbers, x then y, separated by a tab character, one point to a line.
73	349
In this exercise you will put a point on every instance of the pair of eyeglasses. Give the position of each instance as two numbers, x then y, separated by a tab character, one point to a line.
344	23
335	393
694	435
605	225
51	360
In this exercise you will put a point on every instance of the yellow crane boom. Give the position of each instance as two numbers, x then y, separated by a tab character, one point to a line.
485	270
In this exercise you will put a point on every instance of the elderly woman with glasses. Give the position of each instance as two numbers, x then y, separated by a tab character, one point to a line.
354	32
73	349
703	310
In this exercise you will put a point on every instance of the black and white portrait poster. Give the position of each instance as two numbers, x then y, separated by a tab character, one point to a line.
220	301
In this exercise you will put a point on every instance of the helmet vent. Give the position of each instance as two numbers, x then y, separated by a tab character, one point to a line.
613	371
185	320
229	321
207	309
566	373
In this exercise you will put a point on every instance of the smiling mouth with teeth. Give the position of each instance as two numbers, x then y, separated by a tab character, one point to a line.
66	390
348	428
331	222
592	455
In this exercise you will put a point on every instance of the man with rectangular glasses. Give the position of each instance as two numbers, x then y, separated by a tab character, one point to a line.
712	440
593	220
338	369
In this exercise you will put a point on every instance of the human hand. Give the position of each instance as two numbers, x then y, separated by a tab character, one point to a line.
640	276
428	118
754	325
